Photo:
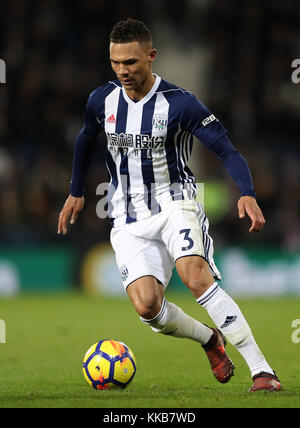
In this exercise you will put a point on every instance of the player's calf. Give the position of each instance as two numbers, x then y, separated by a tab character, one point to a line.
229	319
172	320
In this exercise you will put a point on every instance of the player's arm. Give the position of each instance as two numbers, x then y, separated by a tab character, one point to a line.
85	146
238	168
71	209
206	127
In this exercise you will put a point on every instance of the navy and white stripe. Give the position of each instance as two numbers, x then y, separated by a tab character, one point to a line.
207	241
213	289
144	177
147	162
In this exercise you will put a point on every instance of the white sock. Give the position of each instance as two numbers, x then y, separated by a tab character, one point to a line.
173	321
229	319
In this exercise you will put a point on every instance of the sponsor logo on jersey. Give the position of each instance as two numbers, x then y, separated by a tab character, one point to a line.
111	119
135	141
209	119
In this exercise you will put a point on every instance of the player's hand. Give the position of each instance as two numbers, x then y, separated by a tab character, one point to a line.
70	211
248	205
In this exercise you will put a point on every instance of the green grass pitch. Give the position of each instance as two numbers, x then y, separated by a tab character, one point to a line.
47	336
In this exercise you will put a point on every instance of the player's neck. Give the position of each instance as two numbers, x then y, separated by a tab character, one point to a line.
143	90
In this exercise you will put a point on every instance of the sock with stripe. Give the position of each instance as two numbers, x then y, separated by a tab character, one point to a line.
229	319
171	320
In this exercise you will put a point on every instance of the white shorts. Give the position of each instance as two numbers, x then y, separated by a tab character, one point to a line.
151	246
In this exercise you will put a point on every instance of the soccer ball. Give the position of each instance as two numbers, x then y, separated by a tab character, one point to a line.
109	364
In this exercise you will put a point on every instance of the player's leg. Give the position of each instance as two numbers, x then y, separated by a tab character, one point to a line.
226	314
146	270
147	296
186	236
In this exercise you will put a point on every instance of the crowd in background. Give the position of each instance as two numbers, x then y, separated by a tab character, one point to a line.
251	89
57	53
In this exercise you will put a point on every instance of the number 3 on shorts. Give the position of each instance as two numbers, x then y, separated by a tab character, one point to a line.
187	238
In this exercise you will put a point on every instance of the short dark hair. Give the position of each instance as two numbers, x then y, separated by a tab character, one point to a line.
130	30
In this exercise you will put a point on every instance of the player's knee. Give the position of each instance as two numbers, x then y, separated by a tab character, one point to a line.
147	297
198	284
160	322
147	310
197	278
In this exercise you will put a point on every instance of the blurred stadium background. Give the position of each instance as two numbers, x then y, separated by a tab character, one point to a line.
235	56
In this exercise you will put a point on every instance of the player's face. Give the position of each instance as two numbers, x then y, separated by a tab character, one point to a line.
132	63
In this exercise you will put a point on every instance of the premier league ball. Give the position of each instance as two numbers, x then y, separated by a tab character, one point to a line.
109	364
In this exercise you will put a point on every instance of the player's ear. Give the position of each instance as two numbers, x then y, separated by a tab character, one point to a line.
152	54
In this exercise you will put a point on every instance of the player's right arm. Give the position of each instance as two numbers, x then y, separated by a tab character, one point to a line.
85	146
70	211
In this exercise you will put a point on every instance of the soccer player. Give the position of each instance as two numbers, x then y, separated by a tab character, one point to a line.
156	222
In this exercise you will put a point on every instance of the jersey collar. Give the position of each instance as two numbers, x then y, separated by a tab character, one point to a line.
146	97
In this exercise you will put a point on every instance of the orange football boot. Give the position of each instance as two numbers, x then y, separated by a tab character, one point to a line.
220	363
265	381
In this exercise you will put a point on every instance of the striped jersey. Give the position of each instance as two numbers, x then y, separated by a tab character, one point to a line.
149	144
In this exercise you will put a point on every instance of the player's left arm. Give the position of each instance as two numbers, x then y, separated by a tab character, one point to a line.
248	205
207	128
238	168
